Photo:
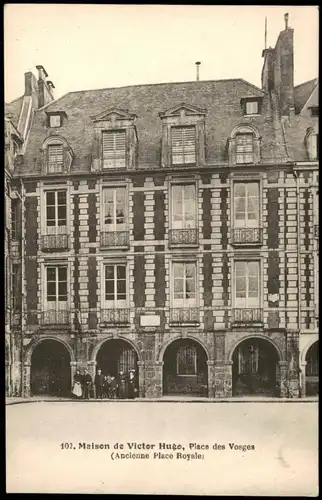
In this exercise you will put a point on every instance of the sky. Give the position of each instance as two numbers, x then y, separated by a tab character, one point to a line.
99	46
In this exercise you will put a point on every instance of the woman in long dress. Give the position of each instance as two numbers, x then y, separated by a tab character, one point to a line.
77	385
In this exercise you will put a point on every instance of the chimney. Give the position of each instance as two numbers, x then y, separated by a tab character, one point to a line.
31	88
197	66
268	69
44	88
284	68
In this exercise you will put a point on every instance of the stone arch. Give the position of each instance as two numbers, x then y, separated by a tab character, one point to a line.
55	139
244	129
34	343
306	350
97	347
247	337
179	337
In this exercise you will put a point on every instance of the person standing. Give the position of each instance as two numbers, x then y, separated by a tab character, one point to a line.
132	385
77	385
99	384
122	385
87	383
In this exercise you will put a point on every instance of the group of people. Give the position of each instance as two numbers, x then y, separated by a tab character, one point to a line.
122	386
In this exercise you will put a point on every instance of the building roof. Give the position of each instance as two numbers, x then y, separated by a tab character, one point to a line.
220	98
13	108
302	92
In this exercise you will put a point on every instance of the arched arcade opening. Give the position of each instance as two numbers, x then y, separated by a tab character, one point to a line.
312	370
255	369
185	369
116	355
50	369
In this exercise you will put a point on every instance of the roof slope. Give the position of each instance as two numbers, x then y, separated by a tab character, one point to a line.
220	98
14	108
302	92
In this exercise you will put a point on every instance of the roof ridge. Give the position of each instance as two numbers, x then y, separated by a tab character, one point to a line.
305	83
156	84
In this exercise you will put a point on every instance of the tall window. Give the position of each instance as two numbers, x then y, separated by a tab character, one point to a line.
55	158
248	358
246	204
183	141
114	151
114	208
56	212
244	148
187	360
56	288
15	219
115	286
183	206
184	284
16	286
247	286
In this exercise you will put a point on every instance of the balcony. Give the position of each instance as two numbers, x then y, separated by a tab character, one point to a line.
114	239
54	242
247	317
115	316
52	317
246	236
183	316
183	237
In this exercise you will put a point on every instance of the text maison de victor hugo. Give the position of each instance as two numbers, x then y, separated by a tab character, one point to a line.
156	451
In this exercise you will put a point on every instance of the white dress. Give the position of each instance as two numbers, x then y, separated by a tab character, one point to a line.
77	389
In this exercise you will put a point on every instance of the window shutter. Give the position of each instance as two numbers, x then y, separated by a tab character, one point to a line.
183	145
114	151
55	157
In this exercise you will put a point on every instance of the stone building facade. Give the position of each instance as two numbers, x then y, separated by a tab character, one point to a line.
171	229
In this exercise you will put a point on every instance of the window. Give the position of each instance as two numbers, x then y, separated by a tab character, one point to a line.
114	151
184	284
315	111
54	120
247	285
183	141
56	212
246	205
15	219
115	292
55	158
114	208
183	206
56	287
187	360
16	287
251	108
248	358
244	148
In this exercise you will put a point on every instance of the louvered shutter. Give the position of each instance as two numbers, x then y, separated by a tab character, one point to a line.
183	145
244	148
114	149
55	158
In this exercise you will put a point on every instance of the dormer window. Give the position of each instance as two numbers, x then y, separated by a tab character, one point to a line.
55	119
312	144
183	135
315	111
244	145
115	140
250	106
183	145
114	148
57	155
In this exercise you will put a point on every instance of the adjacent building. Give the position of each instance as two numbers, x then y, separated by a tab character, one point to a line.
171	229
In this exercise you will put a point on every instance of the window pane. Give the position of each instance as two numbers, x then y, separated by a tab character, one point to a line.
109	272
178	270
240	287
61	197
240	268
121	290
51	288
50	216
51	274
50	198
62	273
121	272
253	268
240	190
62	212
109	287
190	270
178	285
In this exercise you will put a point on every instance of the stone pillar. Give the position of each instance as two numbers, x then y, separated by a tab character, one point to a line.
283	382
223	380
211	379
153	379
302	379
92	369
73	366
293	363
141	375
26	380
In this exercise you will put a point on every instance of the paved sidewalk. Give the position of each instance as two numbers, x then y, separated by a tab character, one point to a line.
164	399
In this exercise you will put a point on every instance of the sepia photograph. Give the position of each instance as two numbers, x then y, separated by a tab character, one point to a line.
161	264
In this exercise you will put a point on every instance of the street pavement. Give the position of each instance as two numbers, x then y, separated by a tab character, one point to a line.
255	448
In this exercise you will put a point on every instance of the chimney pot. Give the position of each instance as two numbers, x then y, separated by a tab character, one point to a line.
198	64
42	73
286	20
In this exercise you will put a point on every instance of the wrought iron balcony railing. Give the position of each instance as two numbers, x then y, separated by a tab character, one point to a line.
54	242
115	316
183	236
53	317
114	239
247	236
247	316
184	315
